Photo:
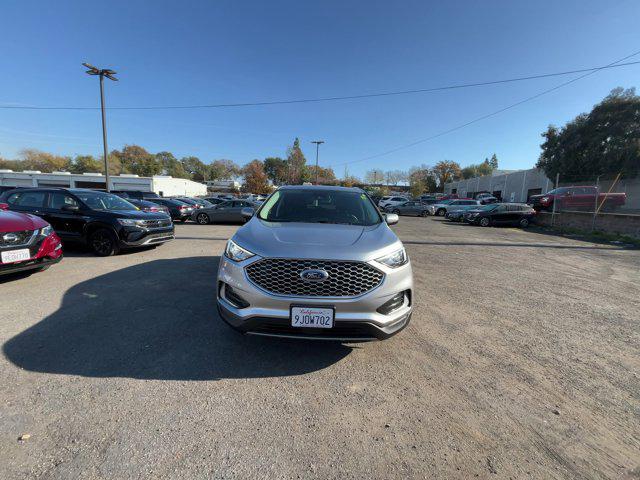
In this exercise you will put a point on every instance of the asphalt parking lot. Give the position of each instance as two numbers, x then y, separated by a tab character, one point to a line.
522	361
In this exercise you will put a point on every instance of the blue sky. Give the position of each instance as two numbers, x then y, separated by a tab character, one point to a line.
207	52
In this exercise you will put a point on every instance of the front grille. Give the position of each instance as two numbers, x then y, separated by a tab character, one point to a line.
157	223
345	278
15	239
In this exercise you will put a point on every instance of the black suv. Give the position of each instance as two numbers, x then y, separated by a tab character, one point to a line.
103	221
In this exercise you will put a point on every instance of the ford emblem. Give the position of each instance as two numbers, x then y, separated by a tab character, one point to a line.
314	275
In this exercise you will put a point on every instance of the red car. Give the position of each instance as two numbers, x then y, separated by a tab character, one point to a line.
26	243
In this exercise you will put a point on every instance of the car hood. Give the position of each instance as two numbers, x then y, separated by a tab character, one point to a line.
316	240
16	221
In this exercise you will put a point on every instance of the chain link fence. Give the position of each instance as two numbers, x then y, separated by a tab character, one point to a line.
604	203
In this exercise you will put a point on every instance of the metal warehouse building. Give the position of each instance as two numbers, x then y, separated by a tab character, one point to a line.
162	185
515	186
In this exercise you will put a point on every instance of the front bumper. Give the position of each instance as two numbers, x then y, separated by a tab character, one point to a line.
44	253
137	237
356	318
32	264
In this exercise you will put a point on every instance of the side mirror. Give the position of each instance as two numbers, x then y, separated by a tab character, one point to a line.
391	218
70	208
4	206
247	212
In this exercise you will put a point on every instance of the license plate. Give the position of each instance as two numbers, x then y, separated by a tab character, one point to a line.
15	255
312	317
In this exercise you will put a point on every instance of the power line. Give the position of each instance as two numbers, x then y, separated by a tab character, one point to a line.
488	115
329	99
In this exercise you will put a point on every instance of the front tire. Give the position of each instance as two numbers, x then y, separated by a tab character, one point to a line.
396	211
484	222
202	218
104	243
523	223
441	212
424	213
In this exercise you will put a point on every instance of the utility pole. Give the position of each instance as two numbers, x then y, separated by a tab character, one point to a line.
318	143
105	72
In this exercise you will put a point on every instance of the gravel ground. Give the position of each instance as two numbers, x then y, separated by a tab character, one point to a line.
522	361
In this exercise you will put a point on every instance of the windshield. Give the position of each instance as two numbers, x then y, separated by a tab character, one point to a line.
320	206
104	201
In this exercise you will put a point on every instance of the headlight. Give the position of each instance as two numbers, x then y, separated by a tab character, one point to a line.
394	260
236	253
46	231
544	199
130	222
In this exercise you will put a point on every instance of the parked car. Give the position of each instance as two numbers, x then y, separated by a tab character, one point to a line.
391	201
6	188
519	214
230	211
408	208
577	198
103	221
456	214
178	210
27	242
147	206
195	202
137	194
316	262
486	198
214	200
441	208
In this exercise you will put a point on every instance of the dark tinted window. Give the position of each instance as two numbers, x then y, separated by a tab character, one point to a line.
104	201
58	200
27	199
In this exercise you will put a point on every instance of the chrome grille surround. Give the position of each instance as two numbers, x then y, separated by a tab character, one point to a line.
281	276
19	238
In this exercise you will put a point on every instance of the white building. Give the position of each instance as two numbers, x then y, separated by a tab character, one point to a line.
161	184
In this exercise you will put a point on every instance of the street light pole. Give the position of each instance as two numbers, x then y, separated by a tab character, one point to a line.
109	74
318	143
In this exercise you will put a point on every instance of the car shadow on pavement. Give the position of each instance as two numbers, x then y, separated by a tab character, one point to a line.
157	320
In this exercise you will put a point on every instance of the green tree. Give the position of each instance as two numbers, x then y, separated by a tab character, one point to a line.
276	170
33	159
493	161
15	165
135	159
604	141
196	168
296	163
86	163
171	165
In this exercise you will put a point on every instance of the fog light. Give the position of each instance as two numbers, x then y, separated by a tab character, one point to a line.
233	298
390	305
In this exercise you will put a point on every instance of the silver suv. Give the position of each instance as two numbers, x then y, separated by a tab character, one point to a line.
316	262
